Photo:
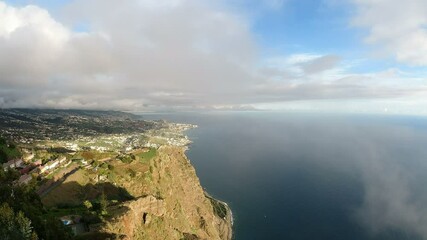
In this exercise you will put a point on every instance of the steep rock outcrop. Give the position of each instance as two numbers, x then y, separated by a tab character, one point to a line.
173	206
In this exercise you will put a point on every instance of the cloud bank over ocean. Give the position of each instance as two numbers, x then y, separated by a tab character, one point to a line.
183	54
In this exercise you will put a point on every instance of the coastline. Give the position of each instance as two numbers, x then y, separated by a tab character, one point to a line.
175	205
150	187
228	219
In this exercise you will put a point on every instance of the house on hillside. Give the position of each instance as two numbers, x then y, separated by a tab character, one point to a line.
61	159
37	163
13	164
66	163
43	168
52	164
25	169
25	179
74	223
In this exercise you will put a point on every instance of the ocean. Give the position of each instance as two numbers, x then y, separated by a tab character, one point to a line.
313	176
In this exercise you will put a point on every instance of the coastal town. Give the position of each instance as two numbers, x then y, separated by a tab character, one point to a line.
50	141
47	147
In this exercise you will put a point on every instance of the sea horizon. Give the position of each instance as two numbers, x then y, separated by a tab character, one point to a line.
289	175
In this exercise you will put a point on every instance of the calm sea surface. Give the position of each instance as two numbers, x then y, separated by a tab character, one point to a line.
306	176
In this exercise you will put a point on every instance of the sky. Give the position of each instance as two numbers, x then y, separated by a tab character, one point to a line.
358	56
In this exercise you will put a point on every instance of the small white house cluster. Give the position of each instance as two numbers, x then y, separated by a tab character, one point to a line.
36	167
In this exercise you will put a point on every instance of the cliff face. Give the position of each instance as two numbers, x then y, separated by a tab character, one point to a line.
172	204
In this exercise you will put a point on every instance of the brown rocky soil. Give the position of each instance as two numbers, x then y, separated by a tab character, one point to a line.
170	203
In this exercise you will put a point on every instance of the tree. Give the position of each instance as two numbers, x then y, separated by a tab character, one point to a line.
88	204
22	215
24	225
15	225
103	203
3	156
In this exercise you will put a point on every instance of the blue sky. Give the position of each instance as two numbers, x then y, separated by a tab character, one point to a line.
315	26
318	55
306	26
291	27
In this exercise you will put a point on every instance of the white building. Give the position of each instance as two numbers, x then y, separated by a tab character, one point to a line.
53	164
62	159
13	164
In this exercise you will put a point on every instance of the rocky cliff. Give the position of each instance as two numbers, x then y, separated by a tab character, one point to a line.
170	204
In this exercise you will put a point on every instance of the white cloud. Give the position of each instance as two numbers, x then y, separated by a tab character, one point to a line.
30	43
305	67
168	54
322	81
131	50
396	27
320	64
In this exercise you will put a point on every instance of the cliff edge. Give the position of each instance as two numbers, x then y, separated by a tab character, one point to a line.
171	204
107	175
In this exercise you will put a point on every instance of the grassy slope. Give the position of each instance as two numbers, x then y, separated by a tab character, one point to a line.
145	157
82	185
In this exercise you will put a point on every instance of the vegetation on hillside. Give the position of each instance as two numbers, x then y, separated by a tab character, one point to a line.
219	208
8	151
98	185
22	215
